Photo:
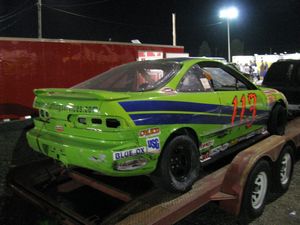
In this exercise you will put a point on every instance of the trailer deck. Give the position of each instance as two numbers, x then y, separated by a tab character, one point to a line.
78	196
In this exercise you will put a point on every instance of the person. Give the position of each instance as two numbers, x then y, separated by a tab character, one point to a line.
262	68
191	80
247	68
145	80
254	71
266	67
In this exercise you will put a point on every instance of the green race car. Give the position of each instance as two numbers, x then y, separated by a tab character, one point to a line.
164	118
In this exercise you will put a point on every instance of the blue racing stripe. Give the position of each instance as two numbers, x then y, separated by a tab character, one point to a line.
156	119
138	106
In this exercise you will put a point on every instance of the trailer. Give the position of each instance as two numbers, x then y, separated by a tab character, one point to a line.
239	186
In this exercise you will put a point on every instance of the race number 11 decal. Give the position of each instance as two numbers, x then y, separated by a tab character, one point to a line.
252	108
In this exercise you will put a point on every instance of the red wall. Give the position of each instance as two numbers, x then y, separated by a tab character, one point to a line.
26	64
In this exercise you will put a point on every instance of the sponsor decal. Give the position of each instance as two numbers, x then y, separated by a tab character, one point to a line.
59	128
168	91
153	144
205	83
149	132
264	131
131	164
94	129
214	151
271	99
250	135
69	108
128	153
101	158
224	147
270	91
242	138
234	142
205	156
207	144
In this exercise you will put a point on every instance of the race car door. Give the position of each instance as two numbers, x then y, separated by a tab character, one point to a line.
242	104
201	108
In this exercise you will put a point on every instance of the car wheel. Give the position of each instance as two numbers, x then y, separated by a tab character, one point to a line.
283	170
256	191
277	120
179	165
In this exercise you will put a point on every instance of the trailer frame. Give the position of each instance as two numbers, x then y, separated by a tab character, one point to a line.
220	186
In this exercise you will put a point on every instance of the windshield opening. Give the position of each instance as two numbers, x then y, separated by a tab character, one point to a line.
133	77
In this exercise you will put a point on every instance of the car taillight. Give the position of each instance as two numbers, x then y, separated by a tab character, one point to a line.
87	121
112	123
82	120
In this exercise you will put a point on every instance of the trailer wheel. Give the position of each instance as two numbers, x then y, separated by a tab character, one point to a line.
256	191
284	169
277	120
179	165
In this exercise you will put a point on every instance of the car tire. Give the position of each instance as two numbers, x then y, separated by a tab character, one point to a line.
256	191
179	165
277	120
283	170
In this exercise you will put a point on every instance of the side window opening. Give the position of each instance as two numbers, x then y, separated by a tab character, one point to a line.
195	81
224	81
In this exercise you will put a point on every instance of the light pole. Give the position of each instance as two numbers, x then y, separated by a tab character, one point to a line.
39	7
228	14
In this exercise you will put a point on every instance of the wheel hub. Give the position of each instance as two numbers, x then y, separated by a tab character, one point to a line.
286	167
180	163
259	190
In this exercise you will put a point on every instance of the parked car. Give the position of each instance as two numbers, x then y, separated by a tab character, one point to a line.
163	118
284	75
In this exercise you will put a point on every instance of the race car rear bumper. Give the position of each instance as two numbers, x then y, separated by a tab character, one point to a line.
113	158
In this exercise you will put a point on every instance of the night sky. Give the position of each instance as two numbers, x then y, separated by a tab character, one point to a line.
263	26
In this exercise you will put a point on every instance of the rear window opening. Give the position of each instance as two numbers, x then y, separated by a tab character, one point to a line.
133	77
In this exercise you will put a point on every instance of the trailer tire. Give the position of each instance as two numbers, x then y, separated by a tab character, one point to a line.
256	191
283	171
277	120
179	165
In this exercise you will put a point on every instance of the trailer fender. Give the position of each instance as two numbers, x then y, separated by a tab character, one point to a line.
237	174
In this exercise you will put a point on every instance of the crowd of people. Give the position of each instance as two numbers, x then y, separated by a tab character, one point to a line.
256	72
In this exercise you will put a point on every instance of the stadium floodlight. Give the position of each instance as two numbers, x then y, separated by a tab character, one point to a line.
228	14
